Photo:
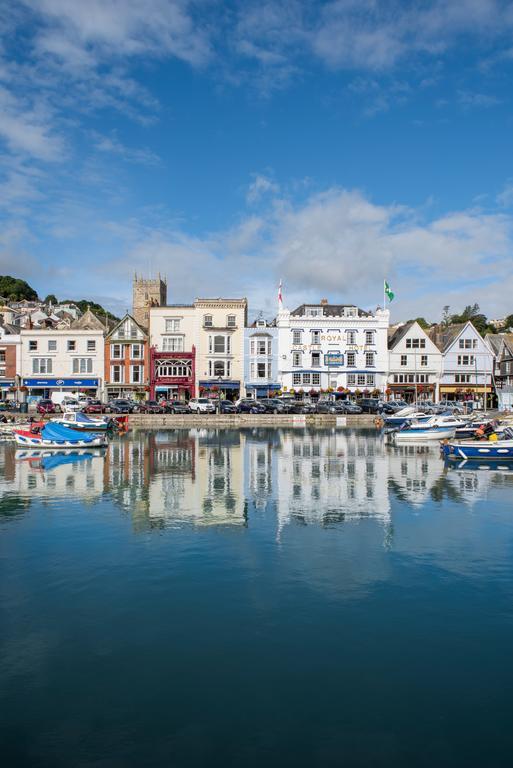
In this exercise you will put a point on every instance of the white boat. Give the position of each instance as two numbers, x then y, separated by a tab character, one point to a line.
410	413
81	421
436	428
56	437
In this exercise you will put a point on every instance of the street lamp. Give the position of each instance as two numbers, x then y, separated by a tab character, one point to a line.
219	381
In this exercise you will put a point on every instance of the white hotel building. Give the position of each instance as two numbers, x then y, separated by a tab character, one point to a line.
325	345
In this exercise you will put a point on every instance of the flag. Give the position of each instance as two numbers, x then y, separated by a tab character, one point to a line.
280	296
389	293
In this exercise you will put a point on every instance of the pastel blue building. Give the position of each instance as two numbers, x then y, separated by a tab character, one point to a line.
261	359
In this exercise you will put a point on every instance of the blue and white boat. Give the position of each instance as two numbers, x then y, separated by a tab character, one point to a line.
81	421
434	428
56	436
404	415
496	450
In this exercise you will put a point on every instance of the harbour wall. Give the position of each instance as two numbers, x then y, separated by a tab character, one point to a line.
170	420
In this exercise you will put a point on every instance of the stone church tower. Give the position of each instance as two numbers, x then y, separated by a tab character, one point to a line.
146	294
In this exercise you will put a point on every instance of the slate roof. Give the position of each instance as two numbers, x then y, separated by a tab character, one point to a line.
328	310
444	336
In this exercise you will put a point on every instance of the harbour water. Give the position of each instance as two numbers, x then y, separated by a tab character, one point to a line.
255	597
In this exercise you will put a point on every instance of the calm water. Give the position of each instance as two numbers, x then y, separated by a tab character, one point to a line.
255	598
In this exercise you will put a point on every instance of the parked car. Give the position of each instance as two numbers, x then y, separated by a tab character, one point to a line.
68	404
370	404
273	405
249	405
120	406
150	406
175	406
348	407
94	406
45	406
227	406
201	405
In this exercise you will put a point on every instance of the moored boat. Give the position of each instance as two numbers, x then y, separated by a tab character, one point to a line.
81	421
500	449
57	436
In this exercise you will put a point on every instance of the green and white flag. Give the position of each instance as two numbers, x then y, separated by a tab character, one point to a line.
389	293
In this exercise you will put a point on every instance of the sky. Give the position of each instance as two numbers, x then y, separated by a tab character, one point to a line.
228	145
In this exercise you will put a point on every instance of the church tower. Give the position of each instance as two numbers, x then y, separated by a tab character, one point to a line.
146	294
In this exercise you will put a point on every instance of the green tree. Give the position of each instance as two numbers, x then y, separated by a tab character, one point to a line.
16	289
97	309
421	321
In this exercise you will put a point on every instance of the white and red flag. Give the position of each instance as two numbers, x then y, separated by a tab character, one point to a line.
280	297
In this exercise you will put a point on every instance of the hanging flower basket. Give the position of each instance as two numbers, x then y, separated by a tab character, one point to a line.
358	392
376	392
313	392
341	389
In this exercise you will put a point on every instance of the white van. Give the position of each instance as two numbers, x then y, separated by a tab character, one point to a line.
68	401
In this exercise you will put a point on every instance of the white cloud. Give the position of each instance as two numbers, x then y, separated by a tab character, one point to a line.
111	145
28	129
260	186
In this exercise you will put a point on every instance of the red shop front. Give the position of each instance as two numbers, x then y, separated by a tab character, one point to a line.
172	374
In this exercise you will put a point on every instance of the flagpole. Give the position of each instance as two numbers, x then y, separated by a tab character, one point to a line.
384	295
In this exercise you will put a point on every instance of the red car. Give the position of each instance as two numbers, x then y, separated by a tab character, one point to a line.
94	406
45	406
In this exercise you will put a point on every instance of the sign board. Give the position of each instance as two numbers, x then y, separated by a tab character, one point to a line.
60	382
341	421
333	359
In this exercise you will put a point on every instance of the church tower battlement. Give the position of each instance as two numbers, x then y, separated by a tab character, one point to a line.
147	293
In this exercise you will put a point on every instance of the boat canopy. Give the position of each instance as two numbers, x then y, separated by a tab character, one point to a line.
59	433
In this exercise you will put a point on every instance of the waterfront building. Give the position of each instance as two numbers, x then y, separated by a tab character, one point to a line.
261	359
147	293
467	363
415	364
9	360
220	345
127	360
172	353
71	360
333	347
501	346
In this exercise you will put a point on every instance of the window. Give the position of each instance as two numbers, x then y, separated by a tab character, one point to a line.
218	368
91	345
116	351
361	379
466	359
369	337
261	347
52	345
316	379
404	359
316	359
296	379
82	365
316	337
462	378
351	337
2	355
269	346
351	359
231	321
117	374
296	359
172	324
218	345
32	346
423	359
415	343
136	352
307	378
261	370
296	337
350	311
369	359
468	343
370	379
351	379
72	345
172	343
136	374
207	321
42	365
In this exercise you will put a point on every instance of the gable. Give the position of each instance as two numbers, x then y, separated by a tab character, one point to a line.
127	330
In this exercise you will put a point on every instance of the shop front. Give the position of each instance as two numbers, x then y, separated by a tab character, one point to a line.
224	388
43	387
481	396
257	389
7	389
410	393
172	375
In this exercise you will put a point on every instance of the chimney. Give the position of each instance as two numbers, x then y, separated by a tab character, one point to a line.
324	302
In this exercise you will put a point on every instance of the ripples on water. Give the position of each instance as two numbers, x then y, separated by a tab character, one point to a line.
287	597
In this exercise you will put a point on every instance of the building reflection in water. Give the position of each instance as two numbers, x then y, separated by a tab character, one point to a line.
206	477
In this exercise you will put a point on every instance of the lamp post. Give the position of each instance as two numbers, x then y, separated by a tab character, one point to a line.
219	381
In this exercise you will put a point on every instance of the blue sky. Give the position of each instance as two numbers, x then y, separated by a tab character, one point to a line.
231	144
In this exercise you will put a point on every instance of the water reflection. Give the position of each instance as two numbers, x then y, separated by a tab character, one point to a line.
208	477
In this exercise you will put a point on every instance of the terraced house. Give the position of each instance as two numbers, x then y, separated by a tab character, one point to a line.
127	360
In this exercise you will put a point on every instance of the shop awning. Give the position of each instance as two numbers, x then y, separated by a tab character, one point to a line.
225	384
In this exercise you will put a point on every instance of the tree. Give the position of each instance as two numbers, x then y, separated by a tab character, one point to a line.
421	321
508	323
15	289
96	309
51	299
446	315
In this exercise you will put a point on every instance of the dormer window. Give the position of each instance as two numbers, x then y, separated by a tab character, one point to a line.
350	311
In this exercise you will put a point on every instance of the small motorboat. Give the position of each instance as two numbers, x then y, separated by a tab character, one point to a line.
435	428
56	436
499	448
81	421
406	414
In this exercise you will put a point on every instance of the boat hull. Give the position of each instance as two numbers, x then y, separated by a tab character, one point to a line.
500	450
421	435
36	441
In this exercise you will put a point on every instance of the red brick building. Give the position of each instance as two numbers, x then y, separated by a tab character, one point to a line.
127	360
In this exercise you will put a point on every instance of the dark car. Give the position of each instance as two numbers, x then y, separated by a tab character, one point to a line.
175	406
250	406
285	405
370	404
46	406
94	406
151	406
347	407
121	406
273	405
227	406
